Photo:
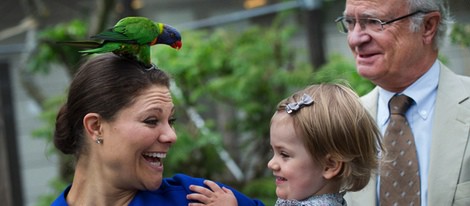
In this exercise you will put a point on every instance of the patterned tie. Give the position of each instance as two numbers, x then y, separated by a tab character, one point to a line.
399	175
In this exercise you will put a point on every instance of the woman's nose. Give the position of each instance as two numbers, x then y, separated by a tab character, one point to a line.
168	135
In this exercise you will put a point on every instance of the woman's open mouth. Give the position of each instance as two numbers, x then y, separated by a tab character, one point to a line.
154	158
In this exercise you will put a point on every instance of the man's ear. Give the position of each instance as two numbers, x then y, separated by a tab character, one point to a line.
332	167
92	125
431	25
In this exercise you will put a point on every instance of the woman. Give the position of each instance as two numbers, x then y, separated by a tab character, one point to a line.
118	122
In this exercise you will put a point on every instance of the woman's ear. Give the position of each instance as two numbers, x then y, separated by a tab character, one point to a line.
332	167
92	125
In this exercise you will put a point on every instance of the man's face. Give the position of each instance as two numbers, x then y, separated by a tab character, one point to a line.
388	56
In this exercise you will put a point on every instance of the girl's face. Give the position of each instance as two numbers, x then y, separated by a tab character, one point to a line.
297	176
137	140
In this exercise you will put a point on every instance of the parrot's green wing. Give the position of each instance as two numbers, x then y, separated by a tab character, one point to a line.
132	37
108	47
139	30
134	51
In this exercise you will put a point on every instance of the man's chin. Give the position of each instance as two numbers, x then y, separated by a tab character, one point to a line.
366	71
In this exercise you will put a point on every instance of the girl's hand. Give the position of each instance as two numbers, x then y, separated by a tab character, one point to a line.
215	196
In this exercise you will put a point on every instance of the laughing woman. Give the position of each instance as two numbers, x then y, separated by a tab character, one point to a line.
118	123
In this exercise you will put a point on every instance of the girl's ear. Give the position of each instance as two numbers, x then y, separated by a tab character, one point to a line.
332	167
92	125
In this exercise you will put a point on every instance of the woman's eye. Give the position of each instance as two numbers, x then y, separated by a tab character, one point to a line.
151	121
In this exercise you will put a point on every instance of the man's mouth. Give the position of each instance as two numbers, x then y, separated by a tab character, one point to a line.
154	158
363	55
366	58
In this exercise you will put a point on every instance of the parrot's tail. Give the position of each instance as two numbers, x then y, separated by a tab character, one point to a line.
81	44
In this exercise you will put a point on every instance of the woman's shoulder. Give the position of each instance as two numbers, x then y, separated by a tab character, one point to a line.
61	201
174	189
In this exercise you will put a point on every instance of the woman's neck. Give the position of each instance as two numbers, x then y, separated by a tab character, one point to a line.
90	187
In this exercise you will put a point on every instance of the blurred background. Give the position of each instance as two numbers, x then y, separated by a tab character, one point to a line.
239	58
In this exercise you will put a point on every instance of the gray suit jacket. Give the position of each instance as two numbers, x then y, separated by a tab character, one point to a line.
449	170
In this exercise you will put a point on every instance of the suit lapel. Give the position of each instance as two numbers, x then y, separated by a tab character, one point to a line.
449	138
366	197
370	102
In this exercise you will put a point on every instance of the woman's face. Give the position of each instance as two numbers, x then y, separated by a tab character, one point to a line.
137	140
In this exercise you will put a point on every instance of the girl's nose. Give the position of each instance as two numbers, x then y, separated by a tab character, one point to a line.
272	164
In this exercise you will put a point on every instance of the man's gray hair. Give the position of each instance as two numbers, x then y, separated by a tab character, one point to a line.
431	5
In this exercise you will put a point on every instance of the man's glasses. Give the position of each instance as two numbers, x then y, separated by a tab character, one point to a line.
346	24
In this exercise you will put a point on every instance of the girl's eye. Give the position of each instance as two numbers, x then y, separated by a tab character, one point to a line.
284	155
172	121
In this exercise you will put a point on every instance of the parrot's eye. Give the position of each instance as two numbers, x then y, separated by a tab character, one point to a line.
172	35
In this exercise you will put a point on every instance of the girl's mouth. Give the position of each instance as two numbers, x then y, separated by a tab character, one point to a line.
280	180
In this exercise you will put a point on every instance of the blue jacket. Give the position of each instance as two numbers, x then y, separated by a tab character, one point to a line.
172	192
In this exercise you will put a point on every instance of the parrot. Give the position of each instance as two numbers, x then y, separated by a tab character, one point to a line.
132	37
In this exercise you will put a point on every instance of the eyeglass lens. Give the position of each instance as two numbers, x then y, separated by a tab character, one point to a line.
345	24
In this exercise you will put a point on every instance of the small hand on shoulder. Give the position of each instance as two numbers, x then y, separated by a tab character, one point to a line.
213	196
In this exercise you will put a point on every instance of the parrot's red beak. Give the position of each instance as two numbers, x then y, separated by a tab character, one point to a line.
177	45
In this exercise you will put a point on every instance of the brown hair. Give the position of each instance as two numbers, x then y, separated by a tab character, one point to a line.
104	85
337	124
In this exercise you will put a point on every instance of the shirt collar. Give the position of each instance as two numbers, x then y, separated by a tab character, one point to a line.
332	199
422	91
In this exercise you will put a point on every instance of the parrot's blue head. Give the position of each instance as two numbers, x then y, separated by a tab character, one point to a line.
170	36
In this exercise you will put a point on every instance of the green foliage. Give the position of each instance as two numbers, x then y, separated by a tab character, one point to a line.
244	72
48	116
460	34
338	69
50	51
263	189
191	143
248	72
57	185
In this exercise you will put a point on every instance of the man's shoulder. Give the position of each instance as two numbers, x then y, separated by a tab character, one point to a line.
370	99
450	79
449	73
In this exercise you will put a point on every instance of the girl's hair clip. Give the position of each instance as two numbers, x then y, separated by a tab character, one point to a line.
306	100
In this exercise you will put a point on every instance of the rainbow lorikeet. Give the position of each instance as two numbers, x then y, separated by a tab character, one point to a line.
132	37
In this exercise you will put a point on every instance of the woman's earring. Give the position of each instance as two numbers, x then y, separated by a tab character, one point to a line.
99	140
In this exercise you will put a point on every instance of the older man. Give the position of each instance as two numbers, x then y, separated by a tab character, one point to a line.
396	45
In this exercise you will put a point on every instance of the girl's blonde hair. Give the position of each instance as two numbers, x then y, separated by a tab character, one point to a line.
337	124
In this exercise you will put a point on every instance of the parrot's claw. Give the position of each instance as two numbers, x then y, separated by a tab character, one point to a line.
152	66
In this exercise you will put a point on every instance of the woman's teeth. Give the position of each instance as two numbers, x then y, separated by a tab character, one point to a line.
154	158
